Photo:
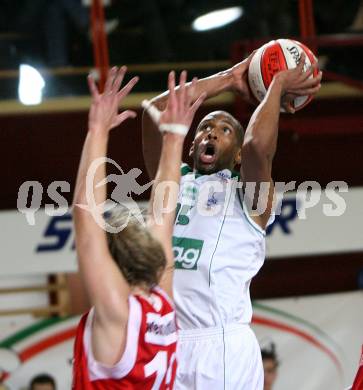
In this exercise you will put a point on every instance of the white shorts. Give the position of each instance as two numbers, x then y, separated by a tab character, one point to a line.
219	358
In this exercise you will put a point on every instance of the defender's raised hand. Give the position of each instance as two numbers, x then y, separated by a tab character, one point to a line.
180	109
104	112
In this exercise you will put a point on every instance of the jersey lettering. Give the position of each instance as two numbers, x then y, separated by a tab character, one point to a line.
187	252
160	330
181	214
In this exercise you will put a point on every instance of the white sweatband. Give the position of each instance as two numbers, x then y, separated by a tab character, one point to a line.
155	115
152	110
175	128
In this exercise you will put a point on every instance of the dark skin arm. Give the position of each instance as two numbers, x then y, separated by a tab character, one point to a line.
260	141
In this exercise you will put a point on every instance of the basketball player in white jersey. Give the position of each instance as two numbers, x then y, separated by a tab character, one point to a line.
219	245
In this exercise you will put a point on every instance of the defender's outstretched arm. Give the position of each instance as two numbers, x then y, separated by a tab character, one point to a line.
173	124
106	287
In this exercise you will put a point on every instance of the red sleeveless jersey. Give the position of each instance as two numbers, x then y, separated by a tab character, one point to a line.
149	360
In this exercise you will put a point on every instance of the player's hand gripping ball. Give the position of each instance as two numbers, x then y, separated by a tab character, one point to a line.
273	57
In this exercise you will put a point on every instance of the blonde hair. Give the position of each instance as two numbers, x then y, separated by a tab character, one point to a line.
139	256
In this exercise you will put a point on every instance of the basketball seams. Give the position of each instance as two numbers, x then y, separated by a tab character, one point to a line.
313	61
255	76
262	70
283	56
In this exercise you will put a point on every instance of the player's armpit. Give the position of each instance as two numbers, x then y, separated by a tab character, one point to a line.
258	198
108	339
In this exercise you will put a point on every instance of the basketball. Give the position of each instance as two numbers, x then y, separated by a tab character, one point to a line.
274	56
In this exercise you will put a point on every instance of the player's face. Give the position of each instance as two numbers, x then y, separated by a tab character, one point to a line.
270	373
216	145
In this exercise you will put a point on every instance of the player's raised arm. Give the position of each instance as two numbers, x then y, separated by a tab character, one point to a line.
173	123
233	79
106	287
260	139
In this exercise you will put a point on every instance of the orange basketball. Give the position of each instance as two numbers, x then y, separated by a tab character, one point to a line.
273	57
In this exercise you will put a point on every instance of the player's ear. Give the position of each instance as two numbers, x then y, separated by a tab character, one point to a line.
238	157
191	150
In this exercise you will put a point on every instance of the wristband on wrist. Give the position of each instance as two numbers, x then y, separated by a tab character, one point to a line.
155	114
151	110
175	128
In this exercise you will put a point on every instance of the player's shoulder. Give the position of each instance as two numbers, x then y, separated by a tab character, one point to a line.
157	301
164	296
161	326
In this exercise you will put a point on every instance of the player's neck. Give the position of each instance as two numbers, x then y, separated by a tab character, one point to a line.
140	290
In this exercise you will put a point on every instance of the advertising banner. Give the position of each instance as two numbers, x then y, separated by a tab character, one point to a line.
322	223
317	340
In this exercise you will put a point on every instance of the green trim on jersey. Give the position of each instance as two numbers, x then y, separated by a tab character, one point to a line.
248	218
236	174
185	169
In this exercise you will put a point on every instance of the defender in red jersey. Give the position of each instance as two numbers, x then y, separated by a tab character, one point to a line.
148	360
128	339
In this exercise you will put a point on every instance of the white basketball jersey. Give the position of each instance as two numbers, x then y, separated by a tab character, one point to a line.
218	249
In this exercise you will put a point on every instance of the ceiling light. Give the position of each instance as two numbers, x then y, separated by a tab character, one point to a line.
31	84
217	18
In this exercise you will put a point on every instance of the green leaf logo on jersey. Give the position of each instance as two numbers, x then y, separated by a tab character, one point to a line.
187	252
